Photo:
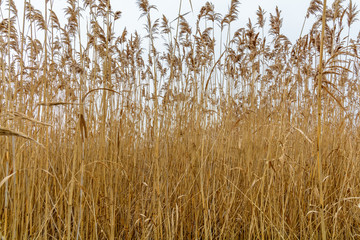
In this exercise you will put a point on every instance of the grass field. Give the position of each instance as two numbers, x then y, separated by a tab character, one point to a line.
238	135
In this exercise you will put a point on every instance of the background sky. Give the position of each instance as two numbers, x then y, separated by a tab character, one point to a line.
292	12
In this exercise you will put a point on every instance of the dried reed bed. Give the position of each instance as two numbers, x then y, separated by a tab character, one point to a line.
117	137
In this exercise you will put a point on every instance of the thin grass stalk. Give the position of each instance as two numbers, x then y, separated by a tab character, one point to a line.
45	116
8	103
171	77
21	103
22	60
29	221
69	218
82	128
318	142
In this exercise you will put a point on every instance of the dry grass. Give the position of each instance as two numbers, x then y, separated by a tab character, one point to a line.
205	138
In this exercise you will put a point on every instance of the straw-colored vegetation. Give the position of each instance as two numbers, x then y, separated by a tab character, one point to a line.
212	136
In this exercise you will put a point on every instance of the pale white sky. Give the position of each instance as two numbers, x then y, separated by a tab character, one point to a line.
292	11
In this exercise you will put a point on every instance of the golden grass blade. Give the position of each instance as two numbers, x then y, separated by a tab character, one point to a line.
180	16
98	89
8	132
191	6
332	95
5	179
83	128
302	133
25	117
212	69
50	104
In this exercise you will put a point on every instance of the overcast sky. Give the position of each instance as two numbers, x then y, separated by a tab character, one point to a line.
292	11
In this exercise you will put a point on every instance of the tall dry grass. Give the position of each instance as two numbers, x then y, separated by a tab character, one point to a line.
113	136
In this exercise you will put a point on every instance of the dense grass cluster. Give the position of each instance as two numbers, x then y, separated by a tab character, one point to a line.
210	136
